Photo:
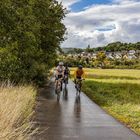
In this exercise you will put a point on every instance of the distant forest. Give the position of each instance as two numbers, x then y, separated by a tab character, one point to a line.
112	47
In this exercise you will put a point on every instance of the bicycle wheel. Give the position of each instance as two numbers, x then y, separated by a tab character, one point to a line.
65	85
58	91
61	86
58	96
77	89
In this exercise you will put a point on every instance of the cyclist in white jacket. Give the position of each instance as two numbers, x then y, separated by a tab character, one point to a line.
59	72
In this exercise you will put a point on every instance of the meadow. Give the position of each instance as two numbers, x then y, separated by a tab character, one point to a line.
117	92
16	108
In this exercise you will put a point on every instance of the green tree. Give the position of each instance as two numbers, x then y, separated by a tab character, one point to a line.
30	32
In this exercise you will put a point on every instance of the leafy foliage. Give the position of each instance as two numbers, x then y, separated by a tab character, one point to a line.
30	34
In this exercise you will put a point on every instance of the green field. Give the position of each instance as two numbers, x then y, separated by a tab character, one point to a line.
117	92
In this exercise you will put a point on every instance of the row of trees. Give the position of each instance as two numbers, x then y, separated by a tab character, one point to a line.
30	34
118	46
112	47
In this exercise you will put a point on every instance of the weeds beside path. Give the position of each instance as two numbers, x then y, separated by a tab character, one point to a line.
16	108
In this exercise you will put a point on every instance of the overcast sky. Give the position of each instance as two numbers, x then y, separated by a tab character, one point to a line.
99	22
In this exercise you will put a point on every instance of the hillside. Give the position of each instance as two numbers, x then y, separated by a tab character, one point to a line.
112	47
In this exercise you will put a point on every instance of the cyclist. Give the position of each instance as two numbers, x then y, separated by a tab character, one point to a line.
79	74
59	72
66	72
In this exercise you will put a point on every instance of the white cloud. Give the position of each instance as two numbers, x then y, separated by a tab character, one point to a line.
101	24
68	3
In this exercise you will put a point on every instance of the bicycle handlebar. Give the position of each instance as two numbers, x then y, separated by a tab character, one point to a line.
81	79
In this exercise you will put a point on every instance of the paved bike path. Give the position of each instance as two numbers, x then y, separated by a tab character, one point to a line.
75	120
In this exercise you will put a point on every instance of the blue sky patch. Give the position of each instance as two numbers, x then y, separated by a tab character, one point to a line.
106	28
79	6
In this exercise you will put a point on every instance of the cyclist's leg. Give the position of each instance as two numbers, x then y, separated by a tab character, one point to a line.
65	81
61	77
79	86
67	78
75	82
56	81
56	86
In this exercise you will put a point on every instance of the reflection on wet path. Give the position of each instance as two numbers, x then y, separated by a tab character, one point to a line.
77	107
65	94
75	118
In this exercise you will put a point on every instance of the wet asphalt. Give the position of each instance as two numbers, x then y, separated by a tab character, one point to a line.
75	118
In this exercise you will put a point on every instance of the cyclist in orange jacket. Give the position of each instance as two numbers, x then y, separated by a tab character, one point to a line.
79	73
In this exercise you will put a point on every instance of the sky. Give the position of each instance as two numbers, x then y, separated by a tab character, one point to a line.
99	22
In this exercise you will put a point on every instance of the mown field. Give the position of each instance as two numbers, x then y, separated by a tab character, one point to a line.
16	108
117	92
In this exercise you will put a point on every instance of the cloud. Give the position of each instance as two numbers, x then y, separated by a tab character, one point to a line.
68	3
99	25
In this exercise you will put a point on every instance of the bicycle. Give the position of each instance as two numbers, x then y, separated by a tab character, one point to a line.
78	86
58	88
65	81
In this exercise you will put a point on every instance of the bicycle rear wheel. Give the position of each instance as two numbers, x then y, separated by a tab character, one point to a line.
58	97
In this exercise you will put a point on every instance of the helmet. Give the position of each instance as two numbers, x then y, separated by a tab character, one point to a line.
80	66
61	63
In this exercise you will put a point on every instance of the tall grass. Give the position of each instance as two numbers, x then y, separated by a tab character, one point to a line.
16	108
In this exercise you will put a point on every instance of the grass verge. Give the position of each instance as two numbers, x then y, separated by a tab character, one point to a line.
120	99
16	108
